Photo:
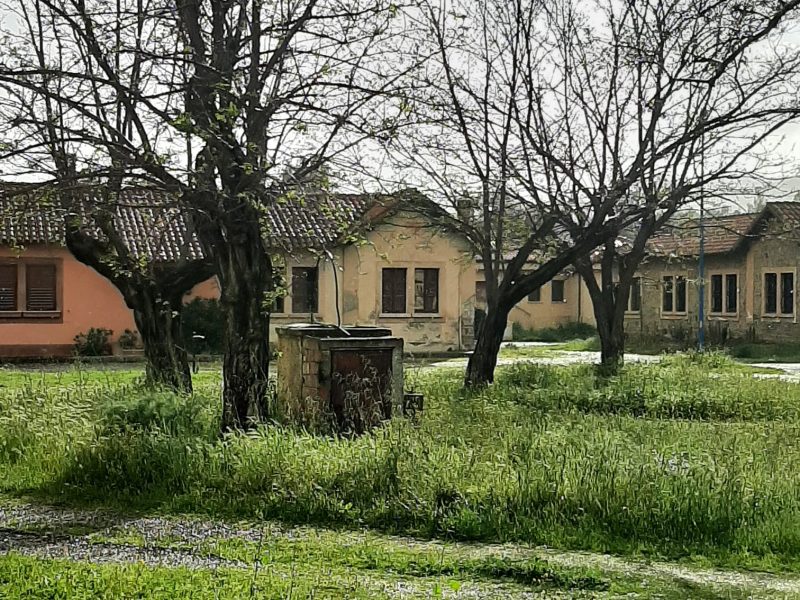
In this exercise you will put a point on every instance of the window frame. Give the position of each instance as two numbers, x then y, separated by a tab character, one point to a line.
422	313
724	311
779	273
293	296
404	312
22	314
538	298
563	299
673	313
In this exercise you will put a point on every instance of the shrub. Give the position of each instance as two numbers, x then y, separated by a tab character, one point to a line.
561	333
147	410
128	340
203	326
94	342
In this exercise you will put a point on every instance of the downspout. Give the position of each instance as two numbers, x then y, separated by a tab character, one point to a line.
460	319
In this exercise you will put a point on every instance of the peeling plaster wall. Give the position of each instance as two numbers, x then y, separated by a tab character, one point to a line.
408	241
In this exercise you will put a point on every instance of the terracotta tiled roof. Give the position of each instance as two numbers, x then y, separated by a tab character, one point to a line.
722	235
320	221
24	221
152	227
787	213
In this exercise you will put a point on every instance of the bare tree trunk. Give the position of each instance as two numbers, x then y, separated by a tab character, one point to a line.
159	324
611	331
156	298
245	271
482	362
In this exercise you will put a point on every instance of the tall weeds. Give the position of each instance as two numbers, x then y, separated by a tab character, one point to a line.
689	456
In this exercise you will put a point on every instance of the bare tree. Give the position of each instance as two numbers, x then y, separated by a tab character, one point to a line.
152	273
652	103
218	99
554	127
472	151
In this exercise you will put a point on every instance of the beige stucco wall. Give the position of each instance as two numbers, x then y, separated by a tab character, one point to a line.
409	241
546	313
89	300
577	306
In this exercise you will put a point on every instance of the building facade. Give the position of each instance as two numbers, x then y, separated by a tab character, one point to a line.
349	259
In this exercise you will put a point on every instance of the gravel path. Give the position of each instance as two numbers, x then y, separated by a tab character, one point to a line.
558	358
55	532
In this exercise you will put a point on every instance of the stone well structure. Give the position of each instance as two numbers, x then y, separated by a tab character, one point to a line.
345	380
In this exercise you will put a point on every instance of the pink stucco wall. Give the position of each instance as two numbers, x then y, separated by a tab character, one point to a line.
87	300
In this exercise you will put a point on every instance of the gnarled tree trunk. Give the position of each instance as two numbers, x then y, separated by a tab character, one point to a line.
159	323
483	361
245	271
611	331
154	294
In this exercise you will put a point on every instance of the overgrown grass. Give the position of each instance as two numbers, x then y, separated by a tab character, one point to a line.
684	458
561	333
763	352
30	578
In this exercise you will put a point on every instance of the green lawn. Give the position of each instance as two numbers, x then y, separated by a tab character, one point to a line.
692	459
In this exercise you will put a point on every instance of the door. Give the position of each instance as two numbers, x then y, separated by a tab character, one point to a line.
361	387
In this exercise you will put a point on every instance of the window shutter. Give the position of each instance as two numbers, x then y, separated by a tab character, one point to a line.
731	293
680	294
393	292
716	293
8	287
305	289
770	293
635	295
426	290
787	293
40	287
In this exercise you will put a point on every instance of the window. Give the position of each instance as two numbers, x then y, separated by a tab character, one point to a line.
426	290
535	295
305	282
673	294
8	287
779	293
731	293
770	293
393	292
724	294
279	283
557	290
716	293
635	295
787	293
29	290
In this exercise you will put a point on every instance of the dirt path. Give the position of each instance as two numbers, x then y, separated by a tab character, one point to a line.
82	535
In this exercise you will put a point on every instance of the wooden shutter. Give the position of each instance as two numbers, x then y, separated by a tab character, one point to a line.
557	290
635	295
680	294
716	293
8	287
731	293
393	291
770	293
426	285
305	289
40	288
787	293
